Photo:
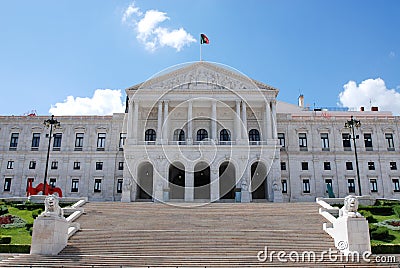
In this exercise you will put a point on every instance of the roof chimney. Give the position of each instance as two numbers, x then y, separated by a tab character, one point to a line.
374	109
301	101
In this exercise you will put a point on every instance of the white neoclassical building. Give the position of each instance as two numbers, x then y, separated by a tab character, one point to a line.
205	132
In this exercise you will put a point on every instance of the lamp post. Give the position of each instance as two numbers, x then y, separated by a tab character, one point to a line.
52	123
353	123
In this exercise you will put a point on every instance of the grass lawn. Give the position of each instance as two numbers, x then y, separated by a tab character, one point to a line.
19	235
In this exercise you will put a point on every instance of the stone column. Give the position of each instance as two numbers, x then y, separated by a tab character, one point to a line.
237	122
190	123
214	120
268	124
244	119
273	111
159	122
214	187
189	184
130	121
158	186
165	125
135	121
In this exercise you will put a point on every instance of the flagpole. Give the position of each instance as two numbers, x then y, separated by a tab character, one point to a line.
200	48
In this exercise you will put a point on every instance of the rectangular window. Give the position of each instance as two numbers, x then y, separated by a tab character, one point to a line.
7	184
281	138
393	166
52	182
371	166
396	185
99	165
120	165
97	185
304	165
54	165
35	141
351	185
77	165
374	185
10	164
79	141
368	141
14	141
284	186
328	183
57	141
306	186
389	141
327	165
283	165
349	165
324	141
122	139
346	142
32	164
119	186
75	185
303	141
101	141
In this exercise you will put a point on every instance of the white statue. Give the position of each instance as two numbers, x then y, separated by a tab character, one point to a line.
51	207
350	207
244	185
126	184
275	186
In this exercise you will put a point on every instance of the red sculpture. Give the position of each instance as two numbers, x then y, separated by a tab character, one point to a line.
49	189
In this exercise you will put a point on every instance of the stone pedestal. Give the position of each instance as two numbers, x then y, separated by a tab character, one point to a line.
277	196
246	196
351	234
126	196
50	235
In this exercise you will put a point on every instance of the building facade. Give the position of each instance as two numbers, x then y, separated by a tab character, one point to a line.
203	132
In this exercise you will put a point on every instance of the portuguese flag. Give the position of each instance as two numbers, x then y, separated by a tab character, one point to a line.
204	39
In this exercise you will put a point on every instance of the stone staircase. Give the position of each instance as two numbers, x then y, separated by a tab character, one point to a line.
117	234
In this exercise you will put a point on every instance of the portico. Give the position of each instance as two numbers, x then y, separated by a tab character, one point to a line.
200	127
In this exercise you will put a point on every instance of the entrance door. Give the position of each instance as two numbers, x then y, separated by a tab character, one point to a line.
258	181
202	181
176	178
227	181
145	181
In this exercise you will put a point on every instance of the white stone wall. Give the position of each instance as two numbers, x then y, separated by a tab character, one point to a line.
70	125
314	123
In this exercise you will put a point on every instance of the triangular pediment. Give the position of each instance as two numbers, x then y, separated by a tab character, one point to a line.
202	76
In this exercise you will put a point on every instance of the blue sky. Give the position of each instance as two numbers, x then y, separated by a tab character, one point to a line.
50	50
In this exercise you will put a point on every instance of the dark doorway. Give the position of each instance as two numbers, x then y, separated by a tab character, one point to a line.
176	181
258	181
227	181
202	181
145	181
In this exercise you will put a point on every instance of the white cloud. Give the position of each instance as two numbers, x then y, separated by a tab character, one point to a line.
103	102
392	54
130	11
151	34
372	91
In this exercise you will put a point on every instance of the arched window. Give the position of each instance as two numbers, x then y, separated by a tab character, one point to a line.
225	135
254	135
179	135
150	135
202	134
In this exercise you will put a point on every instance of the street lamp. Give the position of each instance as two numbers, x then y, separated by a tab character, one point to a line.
52	123
352	124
